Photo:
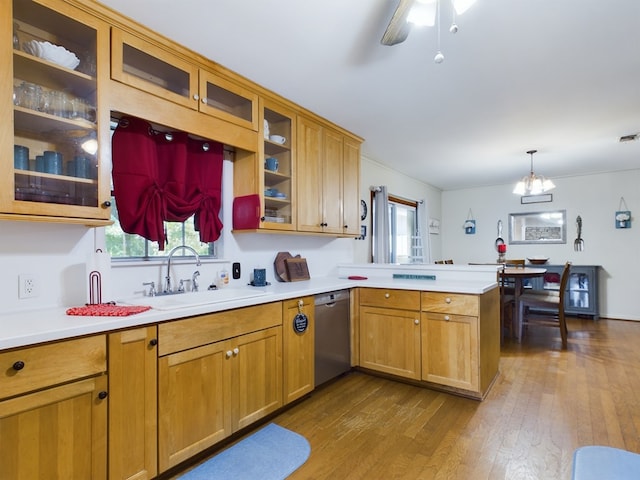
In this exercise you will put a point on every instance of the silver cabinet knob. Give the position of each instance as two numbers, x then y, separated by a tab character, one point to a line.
229	354
447	300
236	351
386	295
416	321
196	96
447	318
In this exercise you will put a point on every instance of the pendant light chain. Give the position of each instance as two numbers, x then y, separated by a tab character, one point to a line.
439	58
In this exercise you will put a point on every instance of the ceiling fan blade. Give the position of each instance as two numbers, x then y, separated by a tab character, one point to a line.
398	28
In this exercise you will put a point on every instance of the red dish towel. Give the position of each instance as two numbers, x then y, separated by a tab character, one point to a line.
107	310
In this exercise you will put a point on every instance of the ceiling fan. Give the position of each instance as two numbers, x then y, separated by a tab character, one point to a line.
417	12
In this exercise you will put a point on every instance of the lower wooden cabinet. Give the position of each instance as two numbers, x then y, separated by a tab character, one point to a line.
449	340
390	341
298	344
461	340
133	409
56	434
208	392
451	355
53	411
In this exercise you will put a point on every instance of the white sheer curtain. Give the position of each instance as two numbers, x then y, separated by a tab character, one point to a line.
381	225
423	230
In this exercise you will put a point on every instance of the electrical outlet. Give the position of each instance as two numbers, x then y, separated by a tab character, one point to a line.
27	286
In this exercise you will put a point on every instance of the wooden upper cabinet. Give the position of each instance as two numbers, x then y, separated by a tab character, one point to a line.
221	97
351	187
310	176
151	68
332	181
55	108
328	180
155	69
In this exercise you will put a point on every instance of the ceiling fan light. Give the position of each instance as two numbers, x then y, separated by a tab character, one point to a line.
423	14
462	6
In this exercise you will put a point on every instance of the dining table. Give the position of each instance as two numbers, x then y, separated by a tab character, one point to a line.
518	275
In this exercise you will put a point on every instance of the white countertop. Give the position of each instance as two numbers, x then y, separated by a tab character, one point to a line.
36	326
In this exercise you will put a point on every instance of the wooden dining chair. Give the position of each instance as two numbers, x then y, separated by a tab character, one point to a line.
545	308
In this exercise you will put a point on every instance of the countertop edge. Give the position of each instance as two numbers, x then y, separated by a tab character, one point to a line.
32	327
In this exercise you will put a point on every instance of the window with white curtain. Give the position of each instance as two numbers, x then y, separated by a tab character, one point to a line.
403	228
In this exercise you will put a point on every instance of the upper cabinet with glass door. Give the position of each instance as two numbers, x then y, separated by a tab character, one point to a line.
278	167
154	69
53	95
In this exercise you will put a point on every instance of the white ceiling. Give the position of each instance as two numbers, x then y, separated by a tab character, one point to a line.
559	76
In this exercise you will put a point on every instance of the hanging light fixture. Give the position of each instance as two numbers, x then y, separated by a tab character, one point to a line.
533	184
422	13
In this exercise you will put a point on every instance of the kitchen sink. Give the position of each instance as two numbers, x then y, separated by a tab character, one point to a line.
194	299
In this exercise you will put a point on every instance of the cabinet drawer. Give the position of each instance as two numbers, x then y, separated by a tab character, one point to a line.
456	303
204	329
27	369
389	298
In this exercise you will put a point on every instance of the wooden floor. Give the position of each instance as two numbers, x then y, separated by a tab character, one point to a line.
545	403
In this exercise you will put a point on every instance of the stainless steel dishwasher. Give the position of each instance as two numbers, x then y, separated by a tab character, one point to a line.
332	338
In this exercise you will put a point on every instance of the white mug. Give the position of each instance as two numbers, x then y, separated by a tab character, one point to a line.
277	139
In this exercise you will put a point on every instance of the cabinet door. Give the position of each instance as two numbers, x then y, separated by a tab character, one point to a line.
56	434
194	403
56	118
227	100
332	153
149	67
390	341
256	378
133	404
450	350
309	177
278	188
351	188
299	360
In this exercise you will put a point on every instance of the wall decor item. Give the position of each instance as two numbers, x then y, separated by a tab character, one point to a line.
623	215
545	197
538	227
470	224
434	226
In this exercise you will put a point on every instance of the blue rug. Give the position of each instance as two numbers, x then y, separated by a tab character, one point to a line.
272	453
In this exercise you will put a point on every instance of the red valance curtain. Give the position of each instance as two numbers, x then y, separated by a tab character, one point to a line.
159	176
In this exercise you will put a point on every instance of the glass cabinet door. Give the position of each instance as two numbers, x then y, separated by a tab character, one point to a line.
55	119
228	100
278	167
152	69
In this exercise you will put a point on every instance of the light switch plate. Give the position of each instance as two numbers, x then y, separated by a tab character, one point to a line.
235	270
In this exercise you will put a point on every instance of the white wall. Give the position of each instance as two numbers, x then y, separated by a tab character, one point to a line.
595	198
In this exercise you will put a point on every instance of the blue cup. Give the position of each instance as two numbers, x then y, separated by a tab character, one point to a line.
271	163
70	168
259	277
83	167
53	162
21	157
39	163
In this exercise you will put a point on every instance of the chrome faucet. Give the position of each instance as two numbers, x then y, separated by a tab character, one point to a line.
168	288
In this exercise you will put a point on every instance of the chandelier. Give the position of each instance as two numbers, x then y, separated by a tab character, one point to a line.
533	184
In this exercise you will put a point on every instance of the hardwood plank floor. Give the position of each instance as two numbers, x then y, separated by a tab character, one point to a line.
545	403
